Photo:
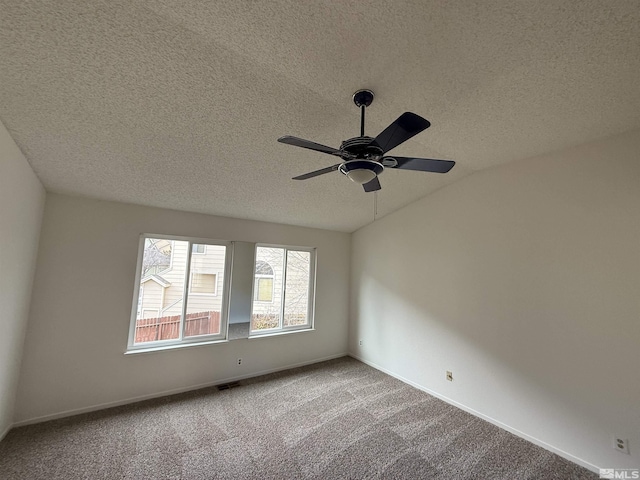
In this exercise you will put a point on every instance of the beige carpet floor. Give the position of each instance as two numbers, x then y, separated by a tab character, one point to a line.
333	420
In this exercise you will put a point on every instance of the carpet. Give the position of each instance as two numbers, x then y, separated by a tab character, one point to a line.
339	419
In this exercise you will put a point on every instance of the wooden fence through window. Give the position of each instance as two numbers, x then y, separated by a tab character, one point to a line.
168	328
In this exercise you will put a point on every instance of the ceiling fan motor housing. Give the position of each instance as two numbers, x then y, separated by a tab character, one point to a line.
362	148
366	165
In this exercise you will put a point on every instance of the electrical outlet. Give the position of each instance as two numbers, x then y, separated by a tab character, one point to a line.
621	444
361	342
239	361
449	376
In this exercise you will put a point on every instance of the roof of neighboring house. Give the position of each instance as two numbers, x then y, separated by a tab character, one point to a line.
158	279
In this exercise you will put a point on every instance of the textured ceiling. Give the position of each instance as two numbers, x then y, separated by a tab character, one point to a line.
179	104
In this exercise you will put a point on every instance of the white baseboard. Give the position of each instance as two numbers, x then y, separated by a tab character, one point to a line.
6	430
497	423
117	403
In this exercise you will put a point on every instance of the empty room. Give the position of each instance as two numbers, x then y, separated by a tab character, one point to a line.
318	240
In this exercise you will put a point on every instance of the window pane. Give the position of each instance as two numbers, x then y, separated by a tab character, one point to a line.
267	311
296	296
264	289
204	301
161	288
203	283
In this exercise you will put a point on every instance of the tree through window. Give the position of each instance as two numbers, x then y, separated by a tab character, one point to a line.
180	292
283	289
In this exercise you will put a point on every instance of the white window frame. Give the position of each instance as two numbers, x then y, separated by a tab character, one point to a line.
139	306
281	328
181	340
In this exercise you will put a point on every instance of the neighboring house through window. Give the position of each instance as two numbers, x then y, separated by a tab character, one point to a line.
283	289
182	292
203	283
183	284
263	282
150	313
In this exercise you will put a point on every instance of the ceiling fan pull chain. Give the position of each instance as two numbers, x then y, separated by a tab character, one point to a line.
375	205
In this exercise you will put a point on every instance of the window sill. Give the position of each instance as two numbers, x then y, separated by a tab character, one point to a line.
276	334
175	346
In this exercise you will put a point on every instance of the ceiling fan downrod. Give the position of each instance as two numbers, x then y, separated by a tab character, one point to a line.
362	99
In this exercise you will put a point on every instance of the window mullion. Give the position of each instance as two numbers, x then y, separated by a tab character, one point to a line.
311	291
185	292
284	286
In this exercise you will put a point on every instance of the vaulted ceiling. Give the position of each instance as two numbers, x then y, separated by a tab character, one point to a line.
179	104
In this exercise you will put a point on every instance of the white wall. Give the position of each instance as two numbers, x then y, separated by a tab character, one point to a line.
523	280
21	204
74	351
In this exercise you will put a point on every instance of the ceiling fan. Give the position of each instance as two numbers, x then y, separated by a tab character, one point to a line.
363	158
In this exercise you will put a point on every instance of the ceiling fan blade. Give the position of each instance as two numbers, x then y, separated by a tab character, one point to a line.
424	164
372	186
301	142
406	126
315	173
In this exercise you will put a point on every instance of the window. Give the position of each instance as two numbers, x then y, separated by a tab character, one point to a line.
204	283
283	289
264	290
263	283
182	292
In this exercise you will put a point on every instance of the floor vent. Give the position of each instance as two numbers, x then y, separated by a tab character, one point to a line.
228	386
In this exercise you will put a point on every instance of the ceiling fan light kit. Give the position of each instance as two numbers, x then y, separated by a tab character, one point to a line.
360	175
361	171
363	157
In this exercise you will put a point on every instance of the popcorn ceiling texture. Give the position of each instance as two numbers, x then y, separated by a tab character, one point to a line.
179	104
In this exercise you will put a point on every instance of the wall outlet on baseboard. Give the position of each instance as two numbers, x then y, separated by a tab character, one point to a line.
621	444
449	376
239	361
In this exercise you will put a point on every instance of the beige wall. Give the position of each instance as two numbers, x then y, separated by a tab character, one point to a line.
524	281
21	204
74	353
